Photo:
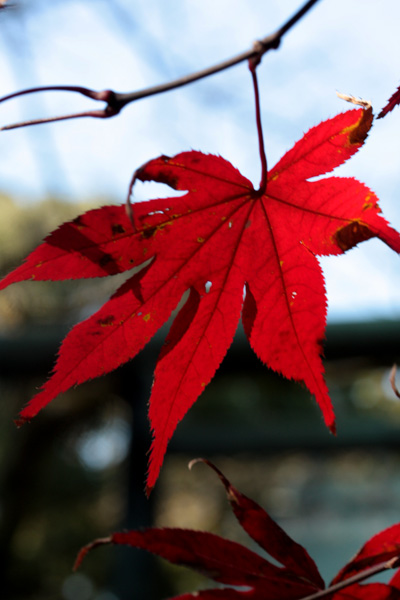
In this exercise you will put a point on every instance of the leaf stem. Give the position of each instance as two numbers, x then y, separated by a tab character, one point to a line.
393	563
115	101
264	169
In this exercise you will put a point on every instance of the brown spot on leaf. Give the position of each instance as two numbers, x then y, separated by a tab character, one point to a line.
348	236
105	259
106	321
148	232
359	131
173	182
371	202
78	222
117	229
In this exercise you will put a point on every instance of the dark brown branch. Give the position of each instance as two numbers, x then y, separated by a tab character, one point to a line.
393	563
264	169
115	101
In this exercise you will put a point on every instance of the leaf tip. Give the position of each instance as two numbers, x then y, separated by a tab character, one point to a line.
393	101
230	490
25	416
392	379
194	461
359	132
21	421
86	549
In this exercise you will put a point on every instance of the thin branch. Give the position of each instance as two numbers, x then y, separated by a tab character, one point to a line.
129	210
393	563
115	101
107	96
264	169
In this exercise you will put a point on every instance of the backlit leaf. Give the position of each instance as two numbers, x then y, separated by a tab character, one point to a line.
238	252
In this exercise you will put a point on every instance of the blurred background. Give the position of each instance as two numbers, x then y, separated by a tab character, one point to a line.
77	472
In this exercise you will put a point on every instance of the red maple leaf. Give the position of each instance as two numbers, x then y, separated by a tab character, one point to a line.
234	249
231	563
393	101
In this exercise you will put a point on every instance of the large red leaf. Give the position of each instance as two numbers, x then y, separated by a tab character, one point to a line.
219	237
219	559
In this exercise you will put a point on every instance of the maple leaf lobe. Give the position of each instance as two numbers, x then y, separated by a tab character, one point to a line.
358	132
350	235
163	177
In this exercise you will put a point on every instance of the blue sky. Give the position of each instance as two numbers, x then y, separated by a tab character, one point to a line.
347	46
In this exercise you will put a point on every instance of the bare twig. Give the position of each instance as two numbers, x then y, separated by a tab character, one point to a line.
115	101
264	170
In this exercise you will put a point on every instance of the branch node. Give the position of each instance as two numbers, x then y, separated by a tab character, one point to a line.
115	102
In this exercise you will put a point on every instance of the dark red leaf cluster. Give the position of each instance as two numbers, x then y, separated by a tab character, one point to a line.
232	564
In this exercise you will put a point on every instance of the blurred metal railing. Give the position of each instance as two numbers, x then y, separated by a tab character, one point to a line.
32	352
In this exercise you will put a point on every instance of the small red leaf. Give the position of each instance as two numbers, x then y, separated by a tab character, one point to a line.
272	538
369	591
220	594
395	581
381	547
393	101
